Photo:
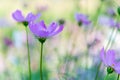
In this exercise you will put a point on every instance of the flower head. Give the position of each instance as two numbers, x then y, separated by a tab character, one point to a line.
18	16
42	32
82	19
108	58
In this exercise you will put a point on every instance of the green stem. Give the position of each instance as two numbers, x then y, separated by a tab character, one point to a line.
110	38
41	77
106	76
118	77
29	67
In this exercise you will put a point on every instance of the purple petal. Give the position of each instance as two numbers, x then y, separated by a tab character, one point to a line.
42	24
52	27
58	30
117	67
38	30
31	17
102	56
17	15
110	57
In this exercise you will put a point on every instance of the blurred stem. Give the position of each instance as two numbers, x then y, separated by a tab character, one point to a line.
97	14
110	39
118	77
41	77
29	64
106	77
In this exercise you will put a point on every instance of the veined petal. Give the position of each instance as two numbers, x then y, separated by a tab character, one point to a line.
17	15
110	57
58	30
117	67
103	57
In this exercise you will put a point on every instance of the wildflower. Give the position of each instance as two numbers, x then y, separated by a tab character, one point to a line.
106	21
18	16
42	32
108	58
82	19
111	12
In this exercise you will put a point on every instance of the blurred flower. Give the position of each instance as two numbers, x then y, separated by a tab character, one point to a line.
82	19
42	32
111	11
108	59
18	16
106	21
118	25
8	41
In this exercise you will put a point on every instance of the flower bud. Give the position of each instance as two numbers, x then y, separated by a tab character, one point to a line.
110	70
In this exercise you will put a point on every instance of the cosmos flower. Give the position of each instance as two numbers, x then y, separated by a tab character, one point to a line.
41	31
82	19
108	58
18	16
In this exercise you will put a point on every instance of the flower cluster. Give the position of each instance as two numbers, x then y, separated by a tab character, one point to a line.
108	58
39	29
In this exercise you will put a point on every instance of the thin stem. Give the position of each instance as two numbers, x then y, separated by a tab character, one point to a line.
41	77
110	39
29	67
118	77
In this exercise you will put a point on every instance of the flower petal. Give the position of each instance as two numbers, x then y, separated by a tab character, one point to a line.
110	57
38	30
52	27
31	17
117	67
17	15
102	56
58	30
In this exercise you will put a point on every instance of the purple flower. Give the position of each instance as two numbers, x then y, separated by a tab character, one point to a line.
82	19
118	25
18	16
111	11
106	21
41	31
108	58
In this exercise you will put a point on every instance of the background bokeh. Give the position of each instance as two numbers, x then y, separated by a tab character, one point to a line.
71	55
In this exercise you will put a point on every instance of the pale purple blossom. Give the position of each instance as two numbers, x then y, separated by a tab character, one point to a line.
82	18
40	30
18	16
108	58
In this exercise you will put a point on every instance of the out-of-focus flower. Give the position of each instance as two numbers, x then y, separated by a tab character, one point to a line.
8	41
106	21
42	32
108	58
111	12
18	16
82	19
118	25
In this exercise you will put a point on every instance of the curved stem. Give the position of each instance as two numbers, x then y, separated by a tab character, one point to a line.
41	77
118	77
29	64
